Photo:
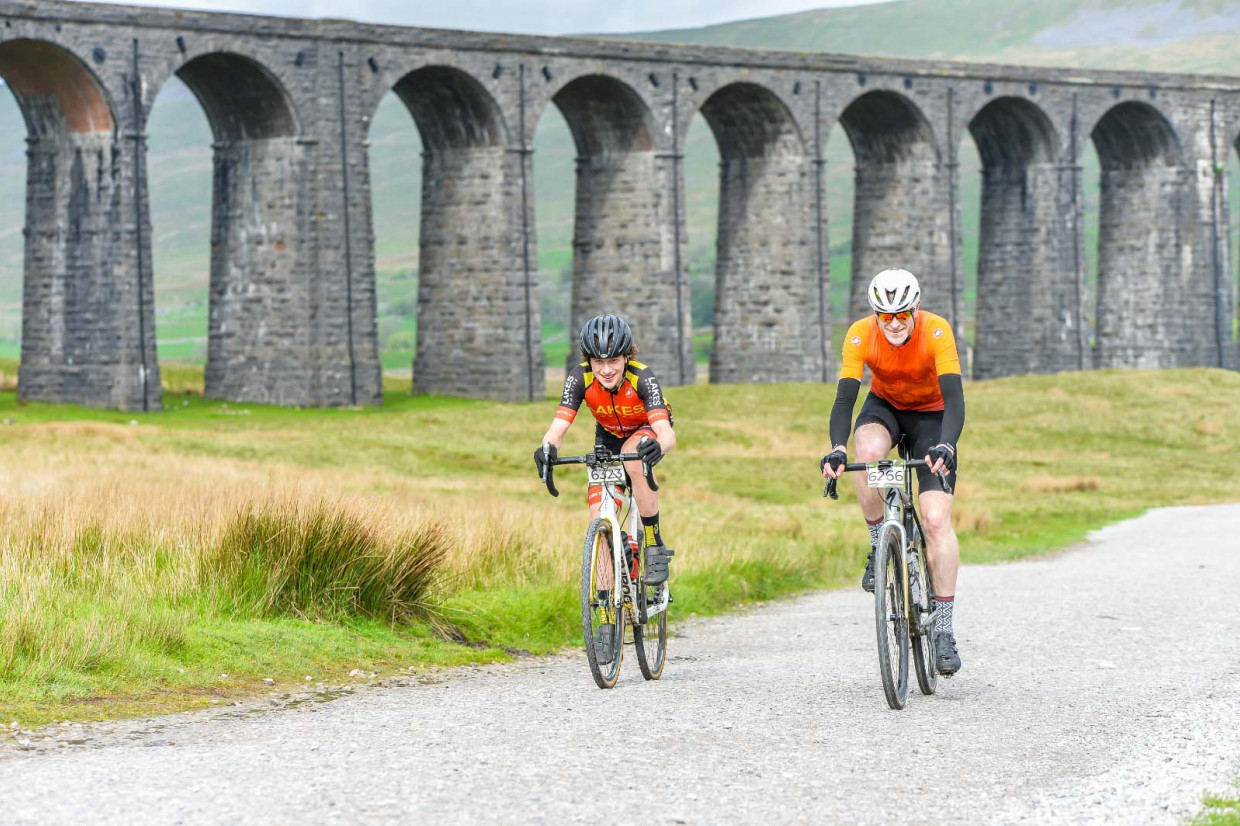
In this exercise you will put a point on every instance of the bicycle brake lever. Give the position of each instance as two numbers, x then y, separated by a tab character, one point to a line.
648	472
829	490
549	473
943	482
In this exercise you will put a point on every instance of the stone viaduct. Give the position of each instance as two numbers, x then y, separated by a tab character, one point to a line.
292	286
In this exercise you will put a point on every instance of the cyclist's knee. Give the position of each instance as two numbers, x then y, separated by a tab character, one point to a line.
636	475
936	520
872	443
872	450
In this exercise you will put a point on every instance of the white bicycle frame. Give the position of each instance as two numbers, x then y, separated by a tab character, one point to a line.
607	510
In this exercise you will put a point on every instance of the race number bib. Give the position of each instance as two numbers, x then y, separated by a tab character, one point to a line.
886	477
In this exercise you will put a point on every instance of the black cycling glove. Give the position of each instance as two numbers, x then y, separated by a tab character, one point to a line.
945	452
540	460
836	458
650	450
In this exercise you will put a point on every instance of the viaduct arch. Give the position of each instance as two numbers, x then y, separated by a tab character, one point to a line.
292	283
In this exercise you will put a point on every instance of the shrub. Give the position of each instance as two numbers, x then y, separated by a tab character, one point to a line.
324	562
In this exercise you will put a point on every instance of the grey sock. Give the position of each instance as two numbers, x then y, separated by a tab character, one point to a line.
874	532
943	619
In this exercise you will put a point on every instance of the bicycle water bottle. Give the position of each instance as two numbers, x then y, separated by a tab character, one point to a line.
631	553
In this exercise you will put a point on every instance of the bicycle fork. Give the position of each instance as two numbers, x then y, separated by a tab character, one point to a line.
913	587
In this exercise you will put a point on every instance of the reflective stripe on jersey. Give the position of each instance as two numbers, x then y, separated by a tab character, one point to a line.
907	376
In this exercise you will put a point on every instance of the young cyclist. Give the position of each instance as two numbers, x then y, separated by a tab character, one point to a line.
630	415
917	396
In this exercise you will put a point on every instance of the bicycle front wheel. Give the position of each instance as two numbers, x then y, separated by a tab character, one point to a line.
600	621
890	616
650	637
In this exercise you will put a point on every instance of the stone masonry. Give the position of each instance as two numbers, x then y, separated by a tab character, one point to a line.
767	297
292	295
1028	263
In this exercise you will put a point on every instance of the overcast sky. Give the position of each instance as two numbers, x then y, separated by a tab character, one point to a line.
521	16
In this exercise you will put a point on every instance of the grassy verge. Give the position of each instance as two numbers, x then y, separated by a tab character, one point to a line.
1220	810
144	556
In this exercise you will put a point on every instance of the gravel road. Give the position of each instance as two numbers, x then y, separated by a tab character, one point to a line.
1099	685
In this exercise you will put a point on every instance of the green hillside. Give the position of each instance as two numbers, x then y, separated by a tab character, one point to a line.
1165	35
1149	35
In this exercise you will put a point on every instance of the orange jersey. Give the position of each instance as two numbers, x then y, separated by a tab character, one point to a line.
637	401
906	376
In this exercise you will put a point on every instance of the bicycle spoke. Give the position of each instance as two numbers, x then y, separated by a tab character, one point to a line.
650	637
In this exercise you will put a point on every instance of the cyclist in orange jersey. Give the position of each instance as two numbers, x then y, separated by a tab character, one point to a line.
916	395
631	415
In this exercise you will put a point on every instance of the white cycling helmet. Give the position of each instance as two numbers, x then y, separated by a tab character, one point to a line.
893	291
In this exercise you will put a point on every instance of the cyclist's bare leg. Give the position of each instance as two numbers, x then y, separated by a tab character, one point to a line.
648	508
873	443
942	546
647	499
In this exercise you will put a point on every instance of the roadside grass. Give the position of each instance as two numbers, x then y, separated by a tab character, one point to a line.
143	556
1220	810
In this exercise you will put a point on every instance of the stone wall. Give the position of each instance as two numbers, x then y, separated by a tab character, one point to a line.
293	283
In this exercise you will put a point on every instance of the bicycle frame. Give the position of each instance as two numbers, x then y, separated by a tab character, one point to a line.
901	514
608	511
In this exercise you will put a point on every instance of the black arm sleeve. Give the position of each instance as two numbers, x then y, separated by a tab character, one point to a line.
841	412
953	408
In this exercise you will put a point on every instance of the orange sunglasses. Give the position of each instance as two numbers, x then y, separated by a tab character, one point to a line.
887	318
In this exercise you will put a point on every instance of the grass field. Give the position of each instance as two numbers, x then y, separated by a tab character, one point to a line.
145	556
1220	810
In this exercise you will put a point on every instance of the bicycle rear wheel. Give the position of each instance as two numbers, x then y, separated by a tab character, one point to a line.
598	613
890	616
650	637
923	605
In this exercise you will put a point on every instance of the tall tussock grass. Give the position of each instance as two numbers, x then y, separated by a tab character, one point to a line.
322	562
113	578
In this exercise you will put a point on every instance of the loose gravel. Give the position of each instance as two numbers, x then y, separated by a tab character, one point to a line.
1100	685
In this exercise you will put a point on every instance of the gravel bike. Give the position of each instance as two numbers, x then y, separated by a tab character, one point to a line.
904	609
615	599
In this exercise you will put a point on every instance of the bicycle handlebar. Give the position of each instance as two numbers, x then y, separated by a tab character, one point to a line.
913	464
596	459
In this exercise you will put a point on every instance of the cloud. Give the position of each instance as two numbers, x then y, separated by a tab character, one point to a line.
521	16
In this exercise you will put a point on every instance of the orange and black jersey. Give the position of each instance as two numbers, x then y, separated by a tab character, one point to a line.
922	375
905	375
635	403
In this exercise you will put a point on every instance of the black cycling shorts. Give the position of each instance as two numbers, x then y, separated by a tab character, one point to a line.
918	430
615	443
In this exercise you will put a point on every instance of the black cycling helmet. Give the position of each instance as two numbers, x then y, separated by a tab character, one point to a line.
606	336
